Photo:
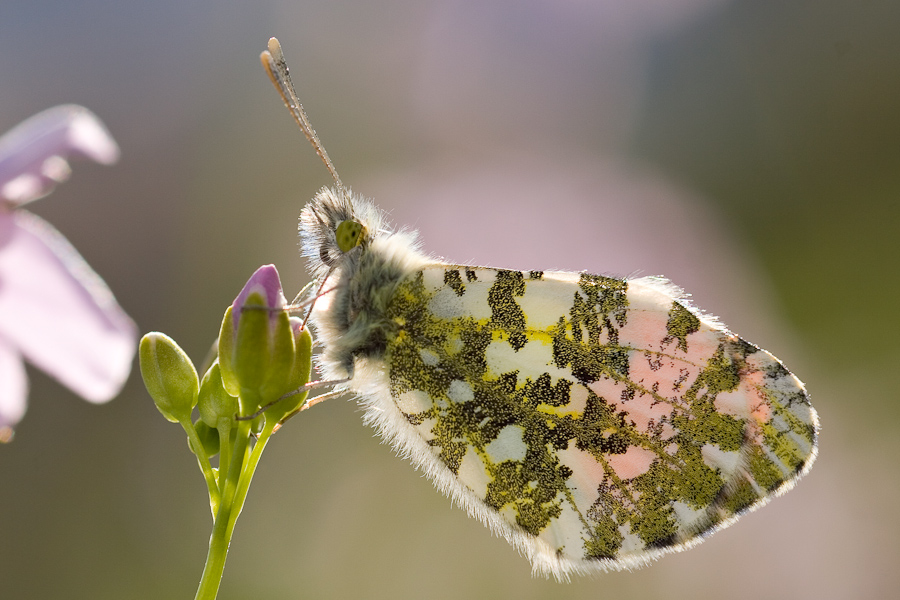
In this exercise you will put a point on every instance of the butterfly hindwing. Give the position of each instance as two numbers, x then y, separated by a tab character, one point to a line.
595	422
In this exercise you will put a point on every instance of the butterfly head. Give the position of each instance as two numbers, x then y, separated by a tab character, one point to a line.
335	225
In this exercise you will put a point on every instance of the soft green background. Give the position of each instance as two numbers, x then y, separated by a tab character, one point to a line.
749	150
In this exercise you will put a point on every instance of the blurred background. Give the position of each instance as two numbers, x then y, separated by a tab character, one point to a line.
748	150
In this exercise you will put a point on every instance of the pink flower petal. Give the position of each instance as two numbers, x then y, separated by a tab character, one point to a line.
33	154
13	388
58	312
264	281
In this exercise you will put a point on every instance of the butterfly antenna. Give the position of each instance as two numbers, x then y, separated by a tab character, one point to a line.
277	69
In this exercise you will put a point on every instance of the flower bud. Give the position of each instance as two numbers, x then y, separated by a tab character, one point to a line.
226	352
169	376
216	406
209	438
302	365
256	344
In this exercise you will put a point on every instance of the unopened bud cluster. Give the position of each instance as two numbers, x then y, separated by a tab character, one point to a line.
264	360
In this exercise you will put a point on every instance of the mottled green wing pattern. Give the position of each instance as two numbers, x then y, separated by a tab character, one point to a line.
595	422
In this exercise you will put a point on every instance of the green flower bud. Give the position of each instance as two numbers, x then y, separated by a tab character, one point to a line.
256	343
263	350
169	376
300	370
217	407
226	353
209	438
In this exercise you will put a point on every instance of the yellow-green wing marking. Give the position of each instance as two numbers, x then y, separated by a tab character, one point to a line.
595	422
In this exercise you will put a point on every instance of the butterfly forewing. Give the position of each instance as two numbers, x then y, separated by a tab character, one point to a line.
594	421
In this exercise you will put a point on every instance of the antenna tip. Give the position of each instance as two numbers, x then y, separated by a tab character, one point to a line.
275	49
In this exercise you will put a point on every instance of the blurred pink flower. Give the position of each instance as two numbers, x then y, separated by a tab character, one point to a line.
54	310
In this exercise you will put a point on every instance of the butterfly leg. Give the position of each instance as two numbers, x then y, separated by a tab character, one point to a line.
313	401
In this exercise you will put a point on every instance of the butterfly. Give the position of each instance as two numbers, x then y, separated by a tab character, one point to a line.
596	423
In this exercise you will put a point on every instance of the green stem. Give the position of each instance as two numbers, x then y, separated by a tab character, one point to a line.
224	454
225	517
250	469
205	466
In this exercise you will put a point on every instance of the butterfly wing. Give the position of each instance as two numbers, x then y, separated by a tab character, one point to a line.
596	423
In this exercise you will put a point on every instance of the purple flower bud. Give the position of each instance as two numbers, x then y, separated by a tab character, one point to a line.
265	282
256	344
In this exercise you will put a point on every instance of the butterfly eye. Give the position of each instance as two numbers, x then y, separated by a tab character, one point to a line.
348	235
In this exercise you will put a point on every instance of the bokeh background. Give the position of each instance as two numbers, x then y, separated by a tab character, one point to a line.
749	150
